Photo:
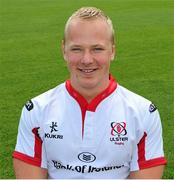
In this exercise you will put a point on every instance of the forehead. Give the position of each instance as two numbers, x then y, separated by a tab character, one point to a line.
88	29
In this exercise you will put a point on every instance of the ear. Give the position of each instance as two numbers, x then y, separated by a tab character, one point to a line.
113	52
63	50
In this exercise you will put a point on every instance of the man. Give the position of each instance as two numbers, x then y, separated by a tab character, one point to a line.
89	126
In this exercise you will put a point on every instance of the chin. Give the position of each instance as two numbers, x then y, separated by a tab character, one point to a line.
88	83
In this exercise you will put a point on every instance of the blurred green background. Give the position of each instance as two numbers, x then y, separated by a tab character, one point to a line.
31	60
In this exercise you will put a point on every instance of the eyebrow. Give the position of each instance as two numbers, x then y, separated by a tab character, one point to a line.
95	45
75	45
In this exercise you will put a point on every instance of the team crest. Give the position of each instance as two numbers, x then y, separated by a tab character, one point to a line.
118	133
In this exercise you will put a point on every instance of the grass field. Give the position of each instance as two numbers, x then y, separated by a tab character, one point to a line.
31	60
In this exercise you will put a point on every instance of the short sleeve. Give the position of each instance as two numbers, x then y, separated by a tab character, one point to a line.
29	147
149	150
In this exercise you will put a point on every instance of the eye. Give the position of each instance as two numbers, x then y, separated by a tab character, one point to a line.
76	49
98	49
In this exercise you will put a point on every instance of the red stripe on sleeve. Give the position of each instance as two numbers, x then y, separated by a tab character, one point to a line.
141	149
152	162
38	145
36	160
28	159
142	162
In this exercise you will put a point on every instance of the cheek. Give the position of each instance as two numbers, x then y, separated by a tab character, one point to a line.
73	59
103	60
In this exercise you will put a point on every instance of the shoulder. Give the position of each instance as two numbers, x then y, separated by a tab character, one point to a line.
135	100
45	99
129	95
36	109
145	112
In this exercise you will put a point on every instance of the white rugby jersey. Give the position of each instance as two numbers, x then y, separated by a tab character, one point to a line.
116	133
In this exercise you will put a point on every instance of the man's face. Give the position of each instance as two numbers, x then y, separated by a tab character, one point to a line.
88	50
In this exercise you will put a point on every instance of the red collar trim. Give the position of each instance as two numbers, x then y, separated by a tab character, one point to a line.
94	103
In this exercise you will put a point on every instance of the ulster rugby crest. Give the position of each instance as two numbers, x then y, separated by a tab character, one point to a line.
118	133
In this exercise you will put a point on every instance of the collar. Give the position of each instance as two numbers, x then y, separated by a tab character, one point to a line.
94	103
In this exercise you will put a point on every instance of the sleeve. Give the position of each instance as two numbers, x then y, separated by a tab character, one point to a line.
149	150
29	147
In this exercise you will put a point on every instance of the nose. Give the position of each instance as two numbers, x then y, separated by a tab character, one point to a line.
87	57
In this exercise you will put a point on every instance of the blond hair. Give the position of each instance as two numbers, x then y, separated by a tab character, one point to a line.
89	13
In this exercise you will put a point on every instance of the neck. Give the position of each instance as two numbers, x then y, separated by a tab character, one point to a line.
90	93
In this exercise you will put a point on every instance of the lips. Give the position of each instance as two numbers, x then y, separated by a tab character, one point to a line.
87	70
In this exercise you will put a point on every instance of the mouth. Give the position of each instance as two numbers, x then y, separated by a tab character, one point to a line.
87	71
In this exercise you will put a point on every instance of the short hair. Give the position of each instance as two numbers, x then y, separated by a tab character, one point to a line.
88	13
